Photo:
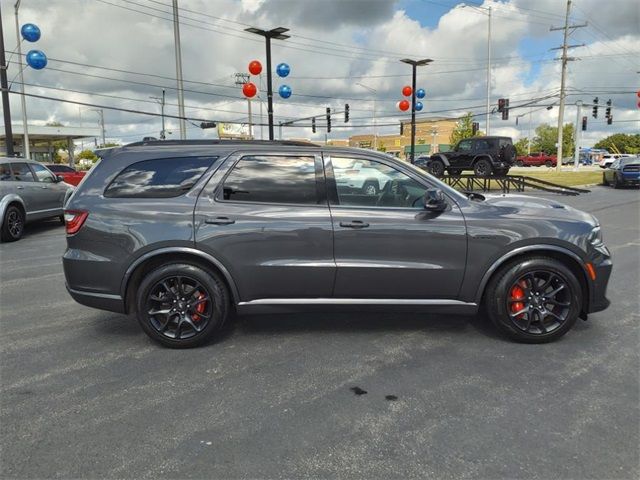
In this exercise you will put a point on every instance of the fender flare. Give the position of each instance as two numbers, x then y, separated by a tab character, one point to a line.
441	157
481	156
541	248
6	200
191	251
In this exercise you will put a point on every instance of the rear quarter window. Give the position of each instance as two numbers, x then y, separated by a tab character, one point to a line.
159	178
5	173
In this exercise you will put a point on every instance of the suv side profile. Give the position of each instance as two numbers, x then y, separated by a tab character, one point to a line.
28	192
183	233
486	156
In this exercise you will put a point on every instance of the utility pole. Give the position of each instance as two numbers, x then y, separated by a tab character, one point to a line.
277	34
564	60
178	50
489	76
241	79
161	101
26	148
414	64
101	113
8	133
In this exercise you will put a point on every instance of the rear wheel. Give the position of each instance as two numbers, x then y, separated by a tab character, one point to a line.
436	168
534	300
181	305
12	224
482	168
519	163
615	183
548	164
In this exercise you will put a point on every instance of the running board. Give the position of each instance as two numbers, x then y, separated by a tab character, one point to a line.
353	301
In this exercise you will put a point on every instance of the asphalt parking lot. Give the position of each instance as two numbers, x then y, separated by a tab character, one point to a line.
85	394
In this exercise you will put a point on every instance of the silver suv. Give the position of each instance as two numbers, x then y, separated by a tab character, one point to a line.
28	192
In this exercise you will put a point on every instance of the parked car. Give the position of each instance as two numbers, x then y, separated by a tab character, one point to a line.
359	177
69	174
484	155
183	233
28	192
622	172
536	159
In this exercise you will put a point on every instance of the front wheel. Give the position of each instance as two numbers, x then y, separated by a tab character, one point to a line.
534	300
181	305
482	168
436	168
548	164
12	224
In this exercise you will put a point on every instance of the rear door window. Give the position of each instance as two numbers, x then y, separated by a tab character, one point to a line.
273	179
160	178
22	172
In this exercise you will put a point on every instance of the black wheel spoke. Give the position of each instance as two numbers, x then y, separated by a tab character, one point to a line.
166	286
555	315
556	291
200	301
529	319
164	311
547	283
553	301
519	312
541	322
189	322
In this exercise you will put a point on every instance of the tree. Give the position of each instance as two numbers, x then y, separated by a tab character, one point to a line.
621	141
547	137
522	146
88	154
463	129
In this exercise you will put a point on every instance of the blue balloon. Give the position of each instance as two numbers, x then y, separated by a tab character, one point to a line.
420	93
30	32
285	91
36	59
283	70
418	106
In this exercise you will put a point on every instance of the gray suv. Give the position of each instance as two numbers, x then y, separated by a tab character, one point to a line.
28	192
183	233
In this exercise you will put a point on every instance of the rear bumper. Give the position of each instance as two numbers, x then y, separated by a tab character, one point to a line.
103	301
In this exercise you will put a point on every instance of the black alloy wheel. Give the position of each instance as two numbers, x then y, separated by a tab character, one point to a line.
482	168
181	305
12	225
436	168
519	163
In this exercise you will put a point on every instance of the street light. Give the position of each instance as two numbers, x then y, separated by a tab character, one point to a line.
277	34
529	132
488	11
414	64
375	130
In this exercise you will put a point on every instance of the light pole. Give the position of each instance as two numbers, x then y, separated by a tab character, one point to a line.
277	34
101	113
161	101
178	50
414	64
23	99
375	129
8	138
488	110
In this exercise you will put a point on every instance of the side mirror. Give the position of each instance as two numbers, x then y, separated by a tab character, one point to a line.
59	179
434	200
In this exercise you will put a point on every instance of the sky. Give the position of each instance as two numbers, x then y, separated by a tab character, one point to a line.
120	53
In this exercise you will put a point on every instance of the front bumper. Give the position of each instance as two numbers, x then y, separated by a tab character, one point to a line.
597	298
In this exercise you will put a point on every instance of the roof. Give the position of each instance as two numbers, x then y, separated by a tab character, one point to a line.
16	159
164	143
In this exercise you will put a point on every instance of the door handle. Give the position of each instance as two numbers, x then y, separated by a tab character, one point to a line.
19	187
354	224
44	187
219	221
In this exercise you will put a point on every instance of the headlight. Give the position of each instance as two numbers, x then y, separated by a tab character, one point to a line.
595	237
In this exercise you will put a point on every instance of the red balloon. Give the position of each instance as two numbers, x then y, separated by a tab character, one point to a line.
403	105
406	91
638	93
255	67
249	89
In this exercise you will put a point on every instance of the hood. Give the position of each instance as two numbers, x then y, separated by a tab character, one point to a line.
539	207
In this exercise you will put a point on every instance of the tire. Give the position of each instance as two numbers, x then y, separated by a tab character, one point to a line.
370	187
615	184
482	168
519	163
508	154
605	182
436	168
12	224
537	325
160	290
548	164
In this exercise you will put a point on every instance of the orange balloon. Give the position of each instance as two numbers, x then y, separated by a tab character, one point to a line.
255	67
406	91
249	89
403	105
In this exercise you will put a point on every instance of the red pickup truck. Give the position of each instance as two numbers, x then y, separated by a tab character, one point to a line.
536	159
68	174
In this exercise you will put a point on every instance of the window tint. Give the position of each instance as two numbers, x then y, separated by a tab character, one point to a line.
5	172
504	142
42	174
464	146
272	179
482	145
60	169
161	178
367	183
22	172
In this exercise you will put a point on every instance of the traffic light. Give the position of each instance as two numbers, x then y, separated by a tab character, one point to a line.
608	110
204	125
328	119
346	112
505	109
584	124
501	102
475	126
594	113
313	124
610	120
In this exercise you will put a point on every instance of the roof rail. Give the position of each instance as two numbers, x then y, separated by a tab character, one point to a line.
220	142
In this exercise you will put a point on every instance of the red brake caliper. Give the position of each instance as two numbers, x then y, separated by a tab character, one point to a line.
517	293
200	308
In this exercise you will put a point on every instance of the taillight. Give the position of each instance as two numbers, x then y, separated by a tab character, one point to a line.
74	219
